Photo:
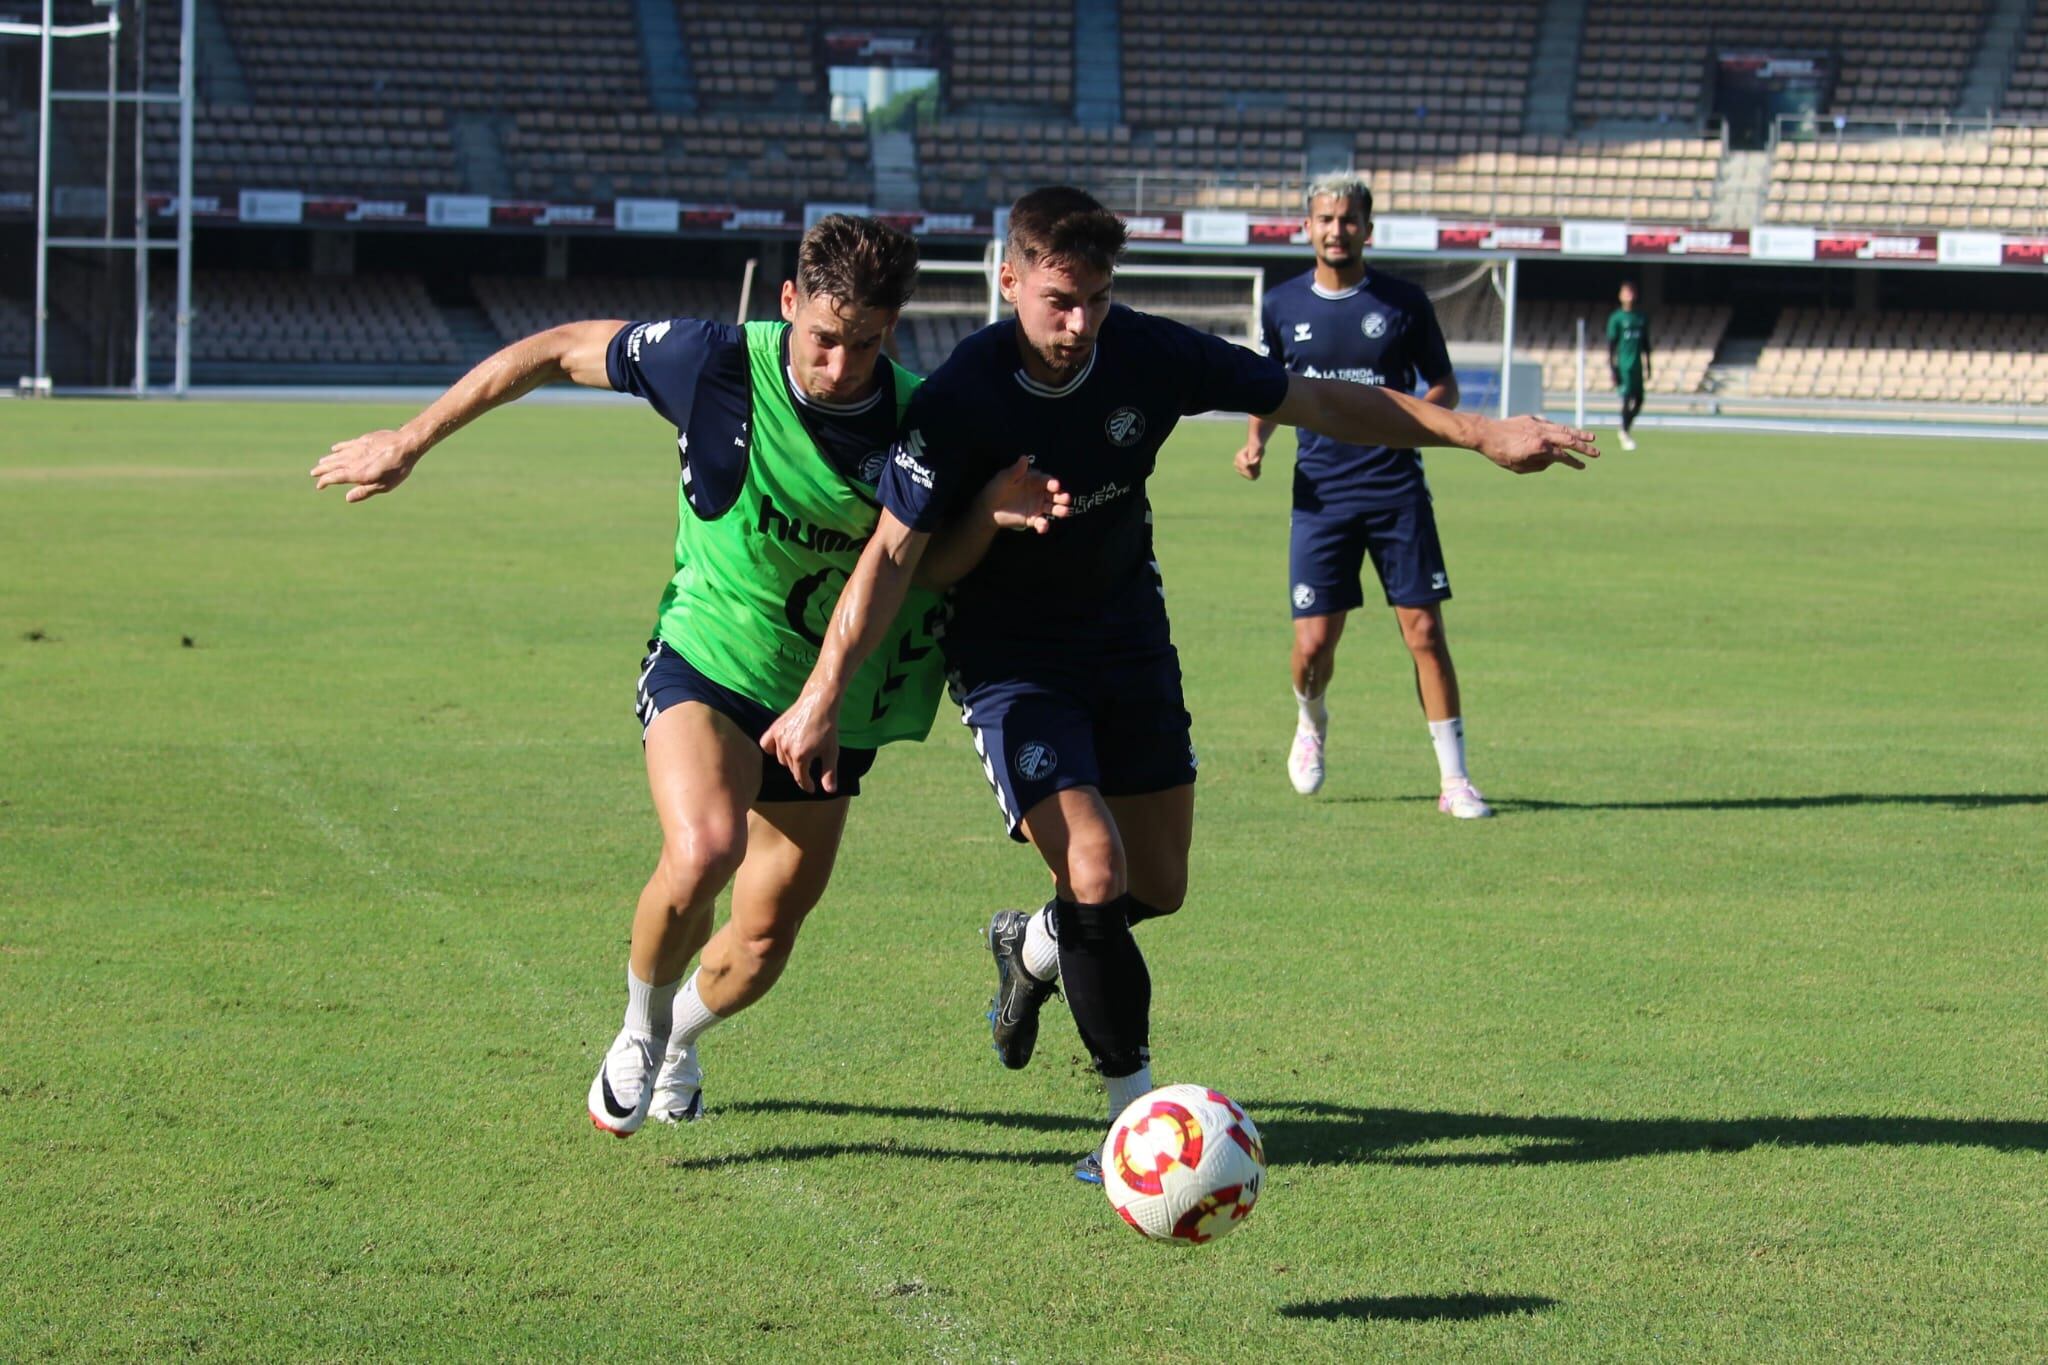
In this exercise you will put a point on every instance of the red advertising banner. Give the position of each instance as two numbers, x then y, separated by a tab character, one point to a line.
1276	231
1676	241
1501	236
1874	246
2026	251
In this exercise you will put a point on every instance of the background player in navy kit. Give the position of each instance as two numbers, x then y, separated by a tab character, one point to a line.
1062	659
1341	321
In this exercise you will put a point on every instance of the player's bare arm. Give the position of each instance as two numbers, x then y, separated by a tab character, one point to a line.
1444	393
805	738
1017	499
1251	456
1366	414
379	461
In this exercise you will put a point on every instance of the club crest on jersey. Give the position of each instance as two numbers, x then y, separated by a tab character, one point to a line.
1374	324
1124	426
1036	760
1304	596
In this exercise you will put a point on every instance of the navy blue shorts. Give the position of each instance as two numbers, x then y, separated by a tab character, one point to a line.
668	679
1326	553
1121	727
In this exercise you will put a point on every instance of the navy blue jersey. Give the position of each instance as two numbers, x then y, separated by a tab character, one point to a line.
1091	583
695	374
1382	331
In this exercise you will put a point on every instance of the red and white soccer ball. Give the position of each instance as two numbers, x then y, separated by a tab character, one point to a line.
1183	1165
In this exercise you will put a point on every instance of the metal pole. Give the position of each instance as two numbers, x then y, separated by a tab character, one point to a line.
1507	337
141	201
995	276
747	289
1258	307
188	48
42	367
1579	405
108	267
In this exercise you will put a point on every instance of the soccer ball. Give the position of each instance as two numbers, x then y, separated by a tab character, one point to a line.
1183	1165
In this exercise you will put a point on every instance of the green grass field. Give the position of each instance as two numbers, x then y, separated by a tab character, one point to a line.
320	826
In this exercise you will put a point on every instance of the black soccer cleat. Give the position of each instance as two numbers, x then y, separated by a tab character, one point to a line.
1013	1014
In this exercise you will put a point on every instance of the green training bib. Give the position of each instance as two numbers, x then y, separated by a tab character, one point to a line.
755	586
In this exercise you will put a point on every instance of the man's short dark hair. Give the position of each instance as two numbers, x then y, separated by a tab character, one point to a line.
858	261
1061	223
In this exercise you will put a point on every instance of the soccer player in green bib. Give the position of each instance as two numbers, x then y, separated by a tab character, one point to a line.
1628	358
783	432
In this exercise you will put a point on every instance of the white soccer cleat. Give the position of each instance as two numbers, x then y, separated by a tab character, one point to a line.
620	1095
1628	442
678	1087
1305	760
1463	800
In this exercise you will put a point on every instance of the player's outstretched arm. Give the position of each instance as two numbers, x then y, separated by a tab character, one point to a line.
805	738
1251	456
1367	415
1017	499
379	461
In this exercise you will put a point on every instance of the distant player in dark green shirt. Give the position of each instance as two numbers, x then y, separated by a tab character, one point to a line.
1628	358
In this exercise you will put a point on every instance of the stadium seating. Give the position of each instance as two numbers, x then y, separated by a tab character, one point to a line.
324	150
17	337
1452	66
519	306
1963	179
17	149
273	318
1905	357
2026	94
968	164
1653	62
487	55
766	52
772	160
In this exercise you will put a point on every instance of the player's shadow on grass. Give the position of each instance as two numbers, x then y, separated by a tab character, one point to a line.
1310	1132
1958	801
1417	1307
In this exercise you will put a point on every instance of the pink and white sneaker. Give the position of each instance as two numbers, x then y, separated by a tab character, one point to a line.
1305	760
1461	799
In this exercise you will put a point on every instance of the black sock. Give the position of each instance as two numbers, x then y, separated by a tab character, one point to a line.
1137	911
1107	986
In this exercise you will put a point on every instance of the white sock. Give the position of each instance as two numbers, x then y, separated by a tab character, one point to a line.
1123	1089
1315	713
1449	738
693	1019
648	1007
1041	946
